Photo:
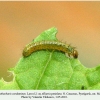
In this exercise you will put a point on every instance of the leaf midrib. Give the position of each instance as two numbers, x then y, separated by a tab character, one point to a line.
43	71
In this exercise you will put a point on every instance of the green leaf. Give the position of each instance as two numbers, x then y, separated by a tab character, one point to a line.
9	85
51	70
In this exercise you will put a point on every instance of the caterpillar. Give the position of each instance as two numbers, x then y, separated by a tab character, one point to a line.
50	45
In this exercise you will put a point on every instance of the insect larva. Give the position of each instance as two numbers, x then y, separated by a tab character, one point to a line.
51	45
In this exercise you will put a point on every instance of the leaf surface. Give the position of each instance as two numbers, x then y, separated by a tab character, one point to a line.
51	70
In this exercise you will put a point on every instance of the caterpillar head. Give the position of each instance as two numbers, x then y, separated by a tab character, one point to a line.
72	52
75	53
